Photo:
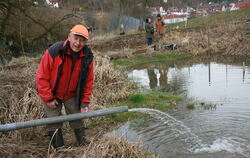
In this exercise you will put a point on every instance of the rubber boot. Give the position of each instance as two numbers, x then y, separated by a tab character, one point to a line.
56	138
81	137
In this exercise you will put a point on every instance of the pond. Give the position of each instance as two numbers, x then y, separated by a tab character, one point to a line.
219	124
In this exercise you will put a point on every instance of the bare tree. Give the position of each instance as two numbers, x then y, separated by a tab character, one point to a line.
27	26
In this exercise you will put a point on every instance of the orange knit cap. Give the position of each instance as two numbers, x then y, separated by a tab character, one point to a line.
80	30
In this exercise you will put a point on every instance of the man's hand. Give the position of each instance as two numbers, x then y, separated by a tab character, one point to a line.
52	104
84	108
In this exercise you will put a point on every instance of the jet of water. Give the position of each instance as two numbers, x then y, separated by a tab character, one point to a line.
178	126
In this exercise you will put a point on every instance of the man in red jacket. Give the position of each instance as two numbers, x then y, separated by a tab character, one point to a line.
65	77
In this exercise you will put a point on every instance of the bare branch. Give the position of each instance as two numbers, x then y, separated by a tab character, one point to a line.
67	16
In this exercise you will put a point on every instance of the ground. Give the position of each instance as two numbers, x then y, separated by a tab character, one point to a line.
17	85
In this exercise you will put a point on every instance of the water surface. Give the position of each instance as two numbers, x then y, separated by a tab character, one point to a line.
218	127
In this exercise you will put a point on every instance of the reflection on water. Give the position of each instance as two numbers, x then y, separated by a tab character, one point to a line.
155	81
219	132
203	81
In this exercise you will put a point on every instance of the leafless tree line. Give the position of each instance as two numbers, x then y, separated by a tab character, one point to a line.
24	26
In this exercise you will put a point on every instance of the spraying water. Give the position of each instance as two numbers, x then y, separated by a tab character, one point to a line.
183	133
180	129
219	132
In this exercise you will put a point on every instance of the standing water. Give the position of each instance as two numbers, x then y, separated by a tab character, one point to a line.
218	127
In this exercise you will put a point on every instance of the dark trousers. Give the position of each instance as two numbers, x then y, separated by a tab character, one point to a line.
70	108
149	41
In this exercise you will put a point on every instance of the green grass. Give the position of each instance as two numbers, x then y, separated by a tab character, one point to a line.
143	59
97	123
212	20
137	99
181	91
123	117
190	106
208	106
160	101
134	117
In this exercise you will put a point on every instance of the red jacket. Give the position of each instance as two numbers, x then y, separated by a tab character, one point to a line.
159	24
65	86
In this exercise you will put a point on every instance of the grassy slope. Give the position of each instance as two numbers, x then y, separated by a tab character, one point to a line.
238	16
213	20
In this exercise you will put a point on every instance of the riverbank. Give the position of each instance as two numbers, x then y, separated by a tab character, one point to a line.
19	100
224	34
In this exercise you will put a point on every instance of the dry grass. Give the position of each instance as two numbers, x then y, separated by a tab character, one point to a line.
110	85
108	147
19	102
12	149
227	39
114	147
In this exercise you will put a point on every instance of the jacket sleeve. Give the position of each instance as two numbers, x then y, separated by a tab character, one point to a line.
43	78
147	28
89	84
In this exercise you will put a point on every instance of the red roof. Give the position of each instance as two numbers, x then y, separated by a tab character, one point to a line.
150	9
242	4
171	16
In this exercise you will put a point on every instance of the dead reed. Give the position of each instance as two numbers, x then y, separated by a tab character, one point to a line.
110	85
114	147
19	102
226	39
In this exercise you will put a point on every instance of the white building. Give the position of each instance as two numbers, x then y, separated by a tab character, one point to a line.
174	18
53	3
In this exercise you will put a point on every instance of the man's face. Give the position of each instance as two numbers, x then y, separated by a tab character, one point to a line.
76	42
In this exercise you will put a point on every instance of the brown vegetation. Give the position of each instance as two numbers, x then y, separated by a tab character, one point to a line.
130	41
110	84
115	147
19	102
227	39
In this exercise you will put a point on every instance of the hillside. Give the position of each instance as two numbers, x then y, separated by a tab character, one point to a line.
218	34
222	34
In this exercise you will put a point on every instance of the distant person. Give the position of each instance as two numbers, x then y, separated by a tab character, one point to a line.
65	77
122	30
149	27
159	25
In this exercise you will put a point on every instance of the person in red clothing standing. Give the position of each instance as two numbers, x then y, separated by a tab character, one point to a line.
65	77
159	25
